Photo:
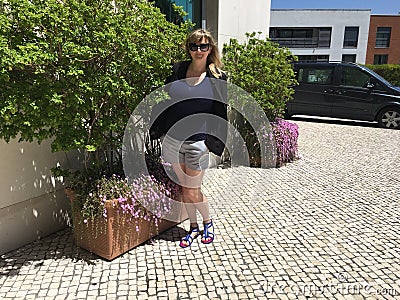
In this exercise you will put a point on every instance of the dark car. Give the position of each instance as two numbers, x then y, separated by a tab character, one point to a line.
344	90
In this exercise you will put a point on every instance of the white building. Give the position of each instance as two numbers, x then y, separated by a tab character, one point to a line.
322	34
224	18
236	17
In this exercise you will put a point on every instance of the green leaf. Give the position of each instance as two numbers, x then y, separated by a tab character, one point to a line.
262	69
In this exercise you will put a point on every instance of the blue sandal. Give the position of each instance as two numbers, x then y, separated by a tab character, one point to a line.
208	235
193	233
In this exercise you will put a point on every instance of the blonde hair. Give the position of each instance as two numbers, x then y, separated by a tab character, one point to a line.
214	58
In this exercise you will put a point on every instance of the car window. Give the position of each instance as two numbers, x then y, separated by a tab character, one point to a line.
354	77
377	85
376	75
315	75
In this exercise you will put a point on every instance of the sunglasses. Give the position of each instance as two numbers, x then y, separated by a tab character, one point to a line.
202	47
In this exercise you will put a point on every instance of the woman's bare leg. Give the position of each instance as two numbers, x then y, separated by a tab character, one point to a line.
193	198
180	171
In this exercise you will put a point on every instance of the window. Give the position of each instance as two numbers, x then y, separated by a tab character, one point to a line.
302	33
191	7
349	57
301	37
324	37
380	59
313	58
377	85
383	37
350	37
354	77
315	75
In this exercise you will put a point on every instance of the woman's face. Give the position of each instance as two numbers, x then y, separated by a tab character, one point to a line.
200	50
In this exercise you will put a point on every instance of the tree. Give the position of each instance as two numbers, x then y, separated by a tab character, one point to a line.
74	70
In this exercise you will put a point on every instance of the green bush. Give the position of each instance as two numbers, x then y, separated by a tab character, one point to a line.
262	69
75	70
390	72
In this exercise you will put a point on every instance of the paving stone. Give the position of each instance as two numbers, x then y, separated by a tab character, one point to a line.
331	217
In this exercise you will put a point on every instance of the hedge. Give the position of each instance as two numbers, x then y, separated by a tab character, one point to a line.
390	72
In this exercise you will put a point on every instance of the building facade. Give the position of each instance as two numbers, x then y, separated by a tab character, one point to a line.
384	40
225	19
322	34
236	17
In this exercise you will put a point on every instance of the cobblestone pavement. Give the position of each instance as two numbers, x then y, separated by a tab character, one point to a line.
324	227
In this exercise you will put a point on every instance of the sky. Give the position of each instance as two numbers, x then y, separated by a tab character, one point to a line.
378	7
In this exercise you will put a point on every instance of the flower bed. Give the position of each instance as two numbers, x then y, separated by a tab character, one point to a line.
117	231
112	214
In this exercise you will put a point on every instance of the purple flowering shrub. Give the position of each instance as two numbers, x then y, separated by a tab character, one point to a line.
157	167
144	197
281	133
286	135
147	196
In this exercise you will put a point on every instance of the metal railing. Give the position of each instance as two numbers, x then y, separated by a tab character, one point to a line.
302	42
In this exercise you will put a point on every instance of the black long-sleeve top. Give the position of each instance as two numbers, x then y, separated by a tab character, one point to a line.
197	112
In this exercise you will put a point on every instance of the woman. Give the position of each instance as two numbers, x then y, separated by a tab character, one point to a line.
197	125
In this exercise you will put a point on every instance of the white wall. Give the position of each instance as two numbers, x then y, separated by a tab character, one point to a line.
337	19
32	201
236	17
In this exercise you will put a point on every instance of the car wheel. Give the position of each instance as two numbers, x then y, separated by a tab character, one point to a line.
389	117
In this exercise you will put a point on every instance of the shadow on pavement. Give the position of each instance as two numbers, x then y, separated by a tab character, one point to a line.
173	234
60	245
56	246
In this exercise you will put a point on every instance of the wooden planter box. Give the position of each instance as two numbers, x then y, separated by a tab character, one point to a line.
112	236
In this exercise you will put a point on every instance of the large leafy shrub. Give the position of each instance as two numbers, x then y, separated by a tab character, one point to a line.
265	71
390	72
262	69
74	70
